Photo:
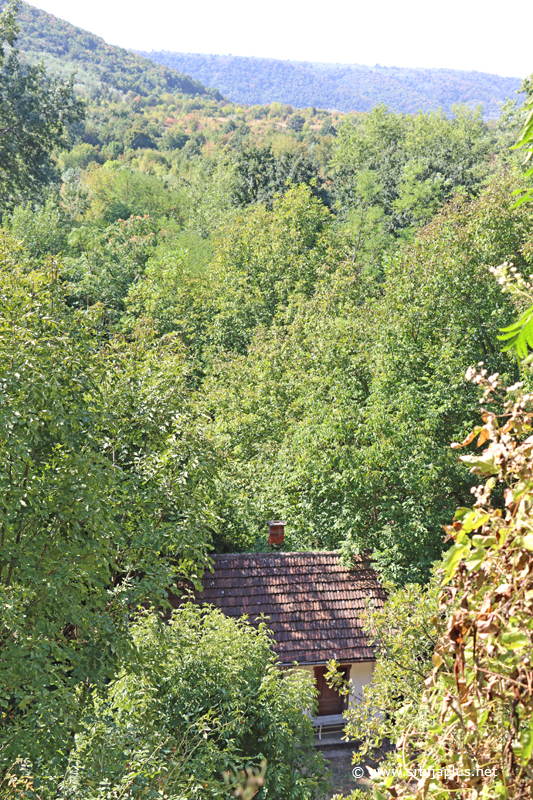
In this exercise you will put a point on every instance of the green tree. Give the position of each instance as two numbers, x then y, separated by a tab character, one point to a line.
296	122
137	138
315	413
41	226
110	262
174	138
103	479
79	157
261	174
480	742
201	700
169	298
208	187
263	259
117	191
34	112
394	171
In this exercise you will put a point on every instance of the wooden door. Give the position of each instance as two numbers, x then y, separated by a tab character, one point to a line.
329	700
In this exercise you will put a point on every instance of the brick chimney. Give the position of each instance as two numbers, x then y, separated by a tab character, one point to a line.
276	532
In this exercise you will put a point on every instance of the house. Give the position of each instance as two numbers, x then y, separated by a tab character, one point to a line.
314	606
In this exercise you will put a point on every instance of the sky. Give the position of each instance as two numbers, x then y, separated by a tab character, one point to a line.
486	36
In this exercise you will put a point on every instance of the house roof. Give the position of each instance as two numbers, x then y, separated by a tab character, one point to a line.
314	604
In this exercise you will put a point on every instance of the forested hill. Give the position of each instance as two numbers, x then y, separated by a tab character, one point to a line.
64	48
342	87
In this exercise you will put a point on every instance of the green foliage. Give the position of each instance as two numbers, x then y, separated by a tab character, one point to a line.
74	196
263	260
104	477
174	138
315	412
437	316
34	111
526	140
41	227
261	174
404	635
266	258
208	191
166	296
118	191
519	335
296	122
394	172
201	701
111	261
214	348
79	157
136	138
320	355
479	691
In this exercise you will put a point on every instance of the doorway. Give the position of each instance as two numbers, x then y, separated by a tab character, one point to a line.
330	702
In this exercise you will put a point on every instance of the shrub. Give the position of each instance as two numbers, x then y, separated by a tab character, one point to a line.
203	702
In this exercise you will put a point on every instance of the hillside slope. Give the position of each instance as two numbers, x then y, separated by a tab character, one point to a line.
341	87
65	48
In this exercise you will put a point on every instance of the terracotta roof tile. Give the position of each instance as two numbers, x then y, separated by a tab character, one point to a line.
312	601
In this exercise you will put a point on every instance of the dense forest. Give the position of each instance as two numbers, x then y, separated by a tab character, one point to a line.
213	315
343	87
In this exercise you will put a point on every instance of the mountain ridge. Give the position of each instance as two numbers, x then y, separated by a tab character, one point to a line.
341	87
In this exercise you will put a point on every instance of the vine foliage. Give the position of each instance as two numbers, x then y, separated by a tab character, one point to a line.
480	692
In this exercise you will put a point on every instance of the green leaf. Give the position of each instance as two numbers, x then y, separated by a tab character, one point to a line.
527	196
474	521
475	560
527	541
453	558
483	464
526	744
519	335
514	640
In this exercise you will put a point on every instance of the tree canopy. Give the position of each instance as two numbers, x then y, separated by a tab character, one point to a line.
104	485
200	702
214	315
34	112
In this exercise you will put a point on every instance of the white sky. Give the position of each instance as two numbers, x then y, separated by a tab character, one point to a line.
479	35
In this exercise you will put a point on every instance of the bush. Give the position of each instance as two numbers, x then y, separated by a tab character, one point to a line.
174	138
202	702
296	122
79	157
42	227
